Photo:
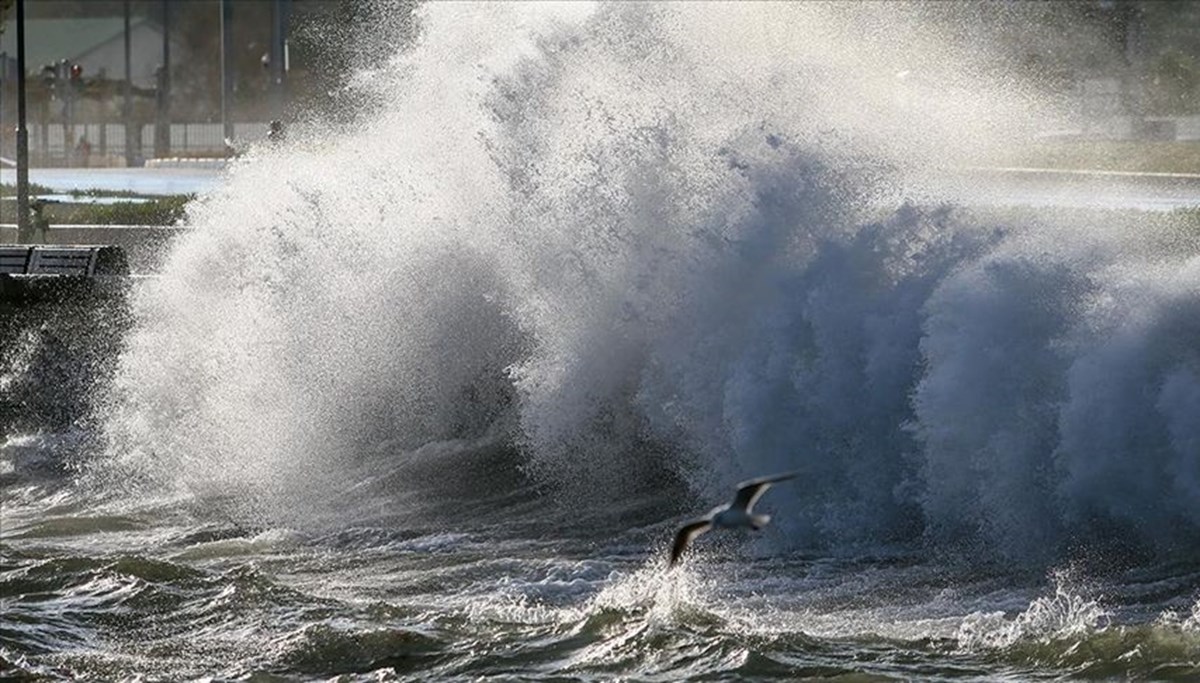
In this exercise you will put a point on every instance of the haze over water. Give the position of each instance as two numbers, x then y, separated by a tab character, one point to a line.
428	396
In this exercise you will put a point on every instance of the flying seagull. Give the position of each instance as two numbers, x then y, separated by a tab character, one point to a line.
735	515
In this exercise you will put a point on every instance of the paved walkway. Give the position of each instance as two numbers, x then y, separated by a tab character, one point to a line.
148	181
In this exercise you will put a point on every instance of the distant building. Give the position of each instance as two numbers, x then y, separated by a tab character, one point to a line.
96	44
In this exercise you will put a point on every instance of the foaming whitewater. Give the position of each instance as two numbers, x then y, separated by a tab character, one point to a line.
622	243
427	394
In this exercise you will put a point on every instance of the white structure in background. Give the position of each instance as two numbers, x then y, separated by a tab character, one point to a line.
97	45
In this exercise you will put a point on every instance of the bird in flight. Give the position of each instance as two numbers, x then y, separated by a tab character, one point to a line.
735	515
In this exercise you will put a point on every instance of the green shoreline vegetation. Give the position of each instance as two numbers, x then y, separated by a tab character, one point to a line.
139	210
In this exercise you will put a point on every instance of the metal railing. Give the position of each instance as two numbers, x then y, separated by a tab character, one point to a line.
105	144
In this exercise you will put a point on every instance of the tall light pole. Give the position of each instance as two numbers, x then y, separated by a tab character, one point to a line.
3	87
23	227
127	105
278	56
227	69
162	130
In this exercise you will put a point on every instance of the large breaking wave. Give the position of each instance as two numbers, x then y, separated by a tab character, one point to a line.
629	238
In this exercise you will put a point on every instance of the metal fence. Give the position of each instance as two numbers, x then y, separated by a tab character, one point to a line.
105	144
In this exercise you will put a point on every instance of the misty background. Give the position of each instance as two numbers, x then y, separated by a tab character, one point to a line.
1127	71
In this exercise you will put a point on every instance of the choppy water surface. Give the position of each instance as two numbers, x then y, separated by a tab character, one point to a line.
428	397
172	588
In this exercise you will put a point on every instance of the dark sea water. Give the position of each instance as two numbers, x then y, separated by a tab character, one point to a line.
427	397
497	582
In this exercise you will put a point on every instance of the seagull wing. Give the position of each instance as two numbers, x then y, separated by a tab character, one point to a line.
685	536
749	491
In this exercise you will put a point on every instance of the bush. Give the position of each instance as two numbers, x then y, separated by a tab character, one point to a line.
158	211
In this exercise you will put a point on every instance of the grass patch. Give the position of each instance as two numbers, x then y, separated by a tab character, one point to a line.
103	193
7	190
158	211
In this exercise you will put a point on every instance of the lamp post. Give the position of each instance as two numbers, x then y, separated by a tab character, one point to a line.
23	228
227	69
3	87
127	95
162	129
278	56
162	126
